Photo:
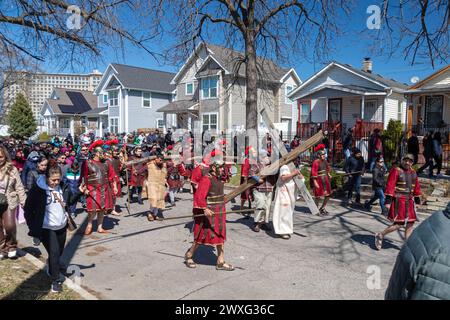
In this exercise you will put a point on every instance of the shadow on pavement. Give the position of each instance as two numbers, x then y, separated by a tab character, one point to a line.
369	240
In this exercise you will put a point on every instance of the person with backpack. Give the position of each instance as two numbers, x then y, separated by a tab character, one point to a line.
72	179
34	173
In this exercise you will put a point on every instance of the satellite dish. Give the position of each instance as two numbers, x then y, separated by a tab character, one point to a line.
414	79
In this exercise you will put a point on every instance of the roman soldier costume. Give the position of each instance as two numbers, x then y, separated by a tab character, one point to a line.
320	170
403	190
98	177
209	194
138	172
116	163
173	175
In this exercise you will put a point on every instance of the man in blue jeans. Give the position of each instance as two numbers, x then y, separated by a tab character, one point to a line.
354	166
378	185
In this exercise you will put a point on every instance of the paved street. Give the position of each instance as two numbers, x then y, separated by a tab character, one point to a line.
326	258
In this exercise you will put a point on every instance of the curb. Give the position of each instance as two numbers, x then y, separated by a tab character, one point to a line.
68	282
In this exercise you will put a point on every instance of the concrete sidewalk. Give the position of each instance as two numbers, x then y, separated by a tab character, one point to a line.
326	258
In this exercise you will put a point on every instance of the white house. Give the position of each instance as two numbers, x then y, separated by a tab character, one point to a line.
341	96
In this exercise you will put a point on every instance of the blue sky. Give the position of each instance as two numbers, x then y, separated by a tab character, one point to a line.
351	48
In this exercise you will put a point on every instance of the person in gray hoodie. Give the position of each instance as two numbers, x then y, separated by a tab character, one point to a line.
45	213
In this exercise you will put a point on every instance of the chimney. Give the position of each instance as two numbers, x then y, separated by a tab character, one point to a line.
367	65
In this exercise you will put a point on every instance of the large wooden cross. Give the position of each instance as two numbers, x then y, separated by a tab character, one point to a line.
275	135
274	167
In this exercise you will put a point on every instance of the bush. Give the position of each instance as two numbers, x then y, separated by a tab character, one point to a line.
392	138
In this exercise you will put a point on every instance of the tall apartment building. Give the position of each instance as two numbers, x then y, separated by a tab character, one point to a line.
38	86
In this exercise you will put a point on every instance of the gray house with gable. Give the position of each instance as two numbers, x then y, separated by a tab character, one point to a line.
133	95
211	91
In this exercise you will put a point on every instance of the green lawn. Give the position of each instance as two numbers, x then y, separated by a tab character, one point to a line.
21	280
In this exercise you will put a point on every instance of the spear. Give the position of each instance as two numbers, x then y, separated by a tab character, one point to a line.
203	215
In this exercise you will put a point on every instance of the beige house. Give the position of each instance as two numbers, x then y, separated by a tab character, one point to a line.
429	104
211	90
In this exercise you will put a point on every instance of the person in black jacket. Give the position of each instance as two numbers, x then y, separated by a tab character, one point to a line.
413	147
45	214
427	154
378	184
354	165
347	144
422	269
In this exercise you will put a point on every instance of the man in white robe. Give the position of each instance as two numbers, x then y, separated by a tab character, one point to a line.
285	197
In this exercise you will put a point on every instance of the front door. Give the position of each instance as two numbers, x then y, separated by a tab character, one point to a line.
433	111
334	110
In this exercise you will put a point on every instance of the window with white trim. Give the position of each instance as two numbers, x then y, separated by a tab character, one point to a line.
370	110
114	125
113	97
209	87
209	121
288	90
189	88
146	99
105	98
160	123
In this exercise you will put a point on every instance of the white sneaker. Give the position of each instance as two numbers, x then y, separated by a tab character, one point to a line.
12	254
2	256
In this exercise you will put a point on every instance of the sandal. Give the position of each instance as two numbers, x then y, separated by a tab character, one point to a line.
189	262
150	217
102	231
224	266
285	236
378	241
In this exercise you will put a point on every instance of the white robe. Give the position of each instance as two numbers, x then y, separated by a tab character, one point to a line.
283	210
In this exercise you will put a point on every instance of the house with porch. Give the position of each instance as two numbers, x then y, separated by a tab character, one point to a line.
73	111
429	104
340	97
132	96
211	91
343	95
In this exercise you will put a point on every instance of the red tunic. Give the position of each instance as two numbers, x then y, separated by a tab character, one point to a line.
319	173
209	230
402	185
98	177
138	173
173	176
117	166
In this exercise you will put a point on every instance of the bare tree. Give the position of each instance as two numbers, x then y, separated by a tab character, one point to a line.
417	28
68	33
268	28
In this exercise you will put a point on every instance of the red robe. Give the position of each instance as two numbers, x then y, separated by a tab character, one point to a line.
319	173
196	176
209	230
402	185
117	166
100	196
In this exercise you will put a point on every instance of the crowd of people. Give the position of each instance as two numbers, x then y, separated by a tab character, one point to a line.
47	179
